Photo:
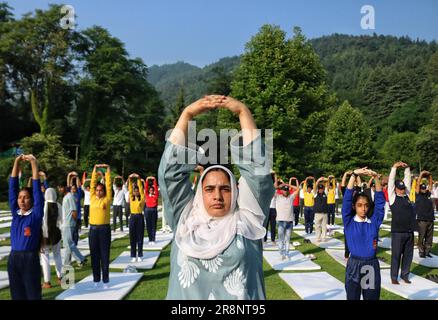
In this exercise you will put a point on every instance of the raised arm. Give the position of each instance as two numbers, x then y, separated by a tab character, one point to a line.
38	199
369	182
179	134
247	123
407	178
420	178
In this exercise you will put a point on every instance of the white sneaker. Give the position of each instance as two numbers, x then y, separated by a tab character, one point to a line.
96	285
133	259
151	243
106	285
139	259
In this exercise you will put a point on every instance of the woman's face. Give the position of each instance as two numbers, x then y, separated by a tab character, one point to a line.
136	192
362	205
216	193
100	191
24	200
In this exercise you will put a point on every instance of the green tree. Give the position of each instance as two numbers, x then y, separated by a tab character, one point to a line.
347	143
401	147
282	82
52	157
427	143
38	58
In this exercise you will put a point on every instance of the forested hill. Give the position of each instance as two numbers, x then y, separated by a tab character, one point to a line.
168	79
380	75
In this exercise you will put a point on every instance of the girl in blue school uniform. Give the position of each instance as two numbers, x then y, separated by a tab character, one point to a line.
27	206
362	276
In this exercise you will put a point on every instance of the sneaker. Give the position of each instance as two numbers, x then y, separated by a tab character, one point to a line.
395	282
139	259
151	243
429	255
134	260
46	285
83	263
422	255
96	285
106	285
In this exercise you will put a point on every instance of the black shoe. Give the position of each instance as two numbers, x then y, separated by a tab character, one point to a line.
422	255
407	281
83	263
429	255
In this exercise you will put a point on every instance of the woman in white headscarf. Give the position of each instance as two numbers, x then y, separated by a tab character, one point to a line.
218	231
52	222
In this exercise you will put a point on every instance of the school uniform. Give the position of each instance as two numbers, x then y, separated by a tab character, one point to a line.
136	221
127	205
100	229
362	236
309	215
24	270
151	210
296	208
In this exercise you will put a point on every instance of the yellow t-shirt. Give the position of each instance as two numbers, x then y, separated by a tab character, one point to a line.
136	205
331	196
100	207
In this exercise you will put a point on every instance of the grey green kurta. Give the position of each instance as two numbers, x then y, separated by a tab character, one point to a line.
236	273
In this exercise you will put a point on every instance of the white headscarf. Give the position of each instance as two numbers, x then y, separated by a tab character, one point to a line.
202	236
50	196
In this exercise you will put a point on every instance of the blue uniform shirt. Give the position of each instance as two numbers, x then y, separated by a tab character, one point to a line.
362	237
26	229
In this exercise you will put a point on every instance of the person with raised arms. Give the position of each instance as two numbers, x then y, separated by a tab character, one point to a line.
362	274
100	230
218	230
27	207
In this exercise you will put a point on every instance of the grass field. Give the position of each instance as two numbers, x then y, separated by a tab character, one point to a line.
153	285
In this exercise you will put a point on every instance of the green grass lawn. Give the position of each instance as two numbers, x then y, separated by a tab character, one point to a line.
153	284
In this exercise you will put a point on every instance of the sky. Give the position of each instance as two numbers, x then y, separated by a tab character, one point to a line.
201	32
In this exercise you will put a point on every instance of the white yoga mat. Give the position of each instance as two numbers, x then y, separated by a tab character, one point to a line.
159	244
4	279
5	219
338	255
120	285
296	261
124	260
5	224
83	244
330	243
425	262
270	246
419	289
4	251
5	236
315	285
384	243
